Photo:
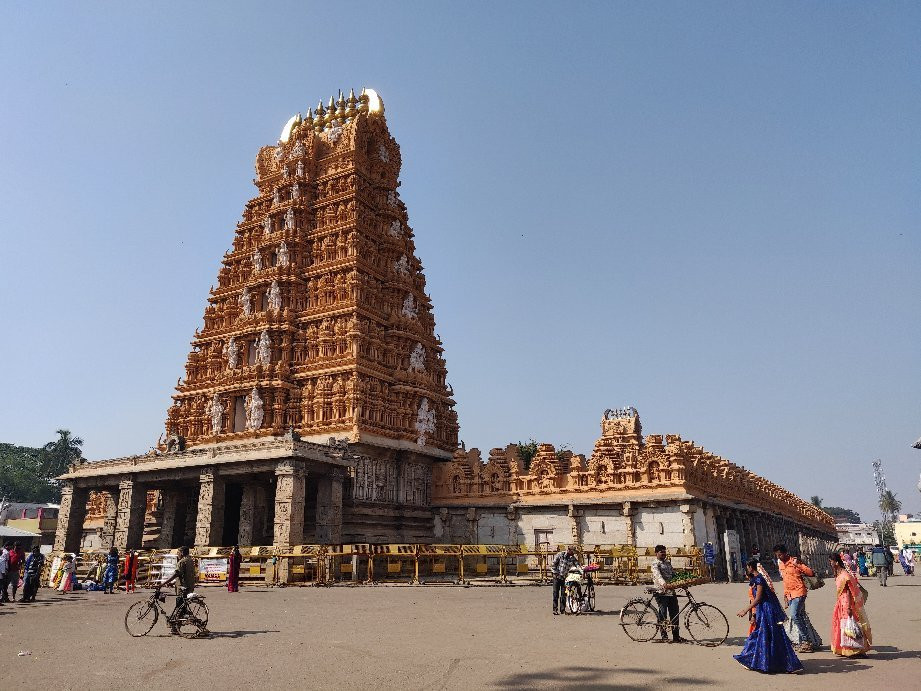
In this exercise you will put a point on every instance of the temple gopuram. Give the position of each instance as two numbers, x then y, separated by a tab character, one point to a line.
630	491
315	409
314	401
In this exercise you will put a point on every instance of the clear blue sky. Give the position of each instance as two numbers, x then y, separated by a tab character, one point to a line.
709	211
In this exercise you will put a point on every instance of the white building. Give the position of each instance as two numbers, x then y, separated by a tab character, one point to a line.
856	534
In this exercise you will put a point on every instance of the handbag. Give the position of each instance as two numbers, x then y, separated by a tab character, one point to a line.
813	582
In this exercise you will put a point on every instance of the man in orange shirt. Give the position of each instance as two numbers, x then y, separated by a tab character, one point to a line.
805	639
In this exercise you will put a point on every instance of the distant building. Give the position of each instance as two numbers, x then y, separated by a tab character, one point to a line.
40	520
856	534
907	531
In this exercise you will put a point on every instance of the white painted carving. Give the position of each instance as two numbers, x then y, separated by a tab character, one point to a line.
232	353
283	258
383	154
275	297
257	260
254	412
392	199
245	302
267	224
284	172
333	134
300	168
264	350
401	266
279	153
395	229
295	191
289	219
425	422
417	359
409	307
217	414
276	198
297	151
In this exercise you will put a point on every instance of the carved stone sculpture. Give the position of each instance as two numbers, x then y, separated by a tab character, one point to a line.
217	415
283	258
267	225
289	219
257	260
275	297
246	302
254	412
409	307
264	350
232	353
425	422
417	359
401	266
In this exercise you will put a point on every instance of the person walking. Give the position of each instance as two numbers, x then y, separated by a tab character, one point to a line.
233	569
4	572
862	563
850	629
878	557
17	557
767	648
666	598
111	573
33	573
909	555
562	562
130	572
803	635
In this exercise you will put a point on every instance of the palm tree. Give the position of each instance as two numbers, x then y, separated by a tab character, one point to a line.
60	453
889	504
816	500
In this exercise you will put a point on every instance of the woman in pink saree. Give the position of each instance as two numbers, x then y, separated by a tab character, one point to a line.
850	628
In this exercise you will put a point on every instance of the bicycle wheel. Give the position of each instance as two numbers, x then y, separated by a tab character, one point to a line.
572	602
195	620
591	597
639	620
141	618
707	625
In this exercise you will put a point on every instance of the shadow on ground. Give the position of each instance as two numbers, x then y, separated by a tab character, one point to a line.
572	678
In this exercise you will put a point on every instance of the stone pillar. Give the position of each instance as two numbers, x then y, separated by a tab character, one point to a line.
169	508
107	537
329	508
129	516
247	515
71	515
290	480
473	537
687	520
209	523
631	529
574	516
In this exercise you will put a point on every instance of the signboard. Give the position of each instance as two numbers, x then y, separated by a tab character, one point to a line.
55	565
167	567
734	565
212	570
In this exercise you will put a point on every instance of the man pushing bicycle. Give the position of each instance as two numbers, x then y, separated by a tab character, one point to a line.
187	575
666	598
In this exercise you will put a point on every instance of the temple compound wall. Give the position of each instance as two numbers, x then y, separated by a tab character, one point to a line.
631	491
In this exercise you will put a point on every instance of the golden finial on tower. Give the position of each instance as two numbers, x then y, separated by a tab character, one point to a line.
341	106
320	119
309	118
330	111
351	101
363	100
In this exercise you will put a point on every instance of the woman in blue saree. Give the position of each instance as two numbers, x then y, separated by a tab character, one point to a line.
767	648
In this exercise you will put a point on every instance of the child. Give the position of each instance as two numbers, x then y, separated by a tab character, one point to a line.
767	648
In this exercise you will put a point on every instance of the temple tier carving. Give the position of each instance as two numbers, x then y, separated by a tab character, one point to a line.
320	307
622	462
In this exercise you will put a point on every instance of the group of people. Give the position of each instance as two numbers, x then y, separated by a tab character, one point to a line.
771	645
18	569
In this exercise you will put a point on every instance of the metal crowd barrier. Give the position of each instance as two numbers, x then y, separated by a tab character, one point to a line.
399	564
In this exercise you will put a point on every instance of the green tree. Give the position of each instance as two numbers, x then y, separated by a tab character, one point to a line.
526	453
60	453
816	500
21	478
889	504
842	515
887	530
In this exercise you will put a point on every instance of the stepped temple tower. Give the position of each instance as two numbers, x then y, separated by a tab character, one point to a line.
315	399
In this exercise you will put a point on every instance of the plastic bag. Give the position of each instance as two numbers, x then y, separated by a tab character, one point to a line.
851	635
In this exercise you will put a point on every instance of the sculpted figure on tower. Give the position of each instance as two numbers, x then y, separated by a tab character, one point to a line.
319	321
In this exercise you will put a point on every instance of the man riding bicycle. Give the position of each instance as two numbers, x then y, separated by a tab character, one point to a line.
186	573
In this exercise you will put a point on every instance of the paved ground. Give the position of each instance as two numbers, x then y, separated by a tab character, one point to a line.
426	638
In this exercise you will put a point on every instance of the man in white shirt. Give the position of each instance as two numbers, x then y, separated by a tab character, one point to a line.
4	572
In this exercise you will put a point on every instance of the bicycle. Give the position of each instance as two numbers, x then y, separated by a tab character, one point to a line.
189	619
706	624
576	603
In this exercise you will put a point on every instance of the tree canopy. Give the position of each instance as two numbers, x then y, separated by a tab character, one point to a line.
841	514
27	474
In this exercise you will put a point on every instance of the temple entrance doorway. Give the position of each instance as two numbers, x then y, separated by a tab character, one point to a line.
233	495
